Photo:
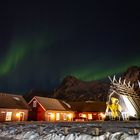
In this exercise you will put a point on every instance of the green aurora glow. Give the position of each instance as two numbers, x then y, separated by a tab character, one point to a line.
18	51
12	58
90	73
16	54
41	43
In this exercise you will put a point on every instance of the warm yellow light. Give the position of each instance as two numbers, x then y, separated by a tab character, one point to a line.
83	115
17	115
90	116
57	116
102	115
114	100
70	116
52	115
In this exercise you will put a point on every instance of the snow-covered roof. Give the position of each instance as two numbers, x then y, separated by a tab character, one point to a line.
11	101
52	104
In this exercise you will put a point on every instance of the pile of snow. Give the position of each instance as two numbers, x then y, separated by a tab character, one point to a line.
70	131
32	135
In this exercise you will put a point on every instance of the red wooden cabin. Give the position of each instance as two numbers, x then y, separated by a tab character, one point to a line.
49	109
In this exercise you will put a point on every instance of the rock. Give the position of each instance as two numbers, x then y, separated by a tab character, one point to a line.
73	89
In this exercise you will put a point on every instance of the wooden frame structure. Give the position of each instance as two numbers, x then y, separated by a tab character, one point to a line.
125	89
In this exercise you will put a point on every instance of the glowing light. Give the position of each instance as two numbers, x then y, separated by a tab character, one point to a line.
90	116
114	107
52	115
83	116
8	116
11	59
114	100
57	116
102	115
130	108
70	116
17	115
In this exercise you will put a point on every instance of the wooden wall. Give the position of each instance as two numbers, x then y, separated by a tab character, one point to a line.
23	116
36	113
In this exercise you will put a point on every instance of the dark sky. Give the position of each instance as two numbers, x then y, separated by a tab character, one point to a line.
42	42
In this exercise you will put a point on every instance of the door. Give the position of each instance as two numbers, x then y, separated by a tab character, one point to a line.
22	114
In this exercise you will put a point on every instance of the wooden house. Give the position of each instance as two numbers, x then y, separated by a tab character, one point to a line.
49	109
88	110
13	108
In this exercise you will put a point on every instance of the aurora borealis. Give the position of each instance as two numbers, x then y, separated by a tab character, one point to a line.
42	42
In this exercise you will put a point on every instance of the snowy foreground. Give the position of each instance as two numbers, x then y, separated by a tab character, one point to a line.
109	130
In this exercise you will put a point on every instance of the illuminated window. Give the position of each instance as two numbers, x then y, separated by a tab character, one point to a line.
90	116
101	116
8	116
18	115
64	116
70	116
83	115
57	116
51	116
34	103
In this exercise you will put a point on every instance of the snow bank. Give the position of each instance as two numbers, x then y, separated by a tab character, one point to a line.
75	136
66	131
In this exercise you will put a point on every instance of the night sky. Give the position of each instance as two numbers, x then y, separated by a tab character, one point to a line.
42	42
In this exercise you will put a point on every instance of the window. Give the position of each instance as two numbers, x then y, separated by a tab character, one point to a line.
34	103
57	116
64	116
70	116
8	116
51	116
82	115
90	116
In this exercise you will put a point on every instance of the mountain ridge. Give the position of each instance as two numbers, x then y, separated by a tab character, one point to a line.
74	89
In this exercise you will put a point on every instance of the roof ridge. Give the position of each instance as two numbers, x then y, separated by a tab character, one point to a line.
8	94
49	98
51	103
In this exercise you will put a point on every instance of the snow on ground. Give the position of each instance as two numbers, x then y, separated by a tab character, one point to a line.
110	130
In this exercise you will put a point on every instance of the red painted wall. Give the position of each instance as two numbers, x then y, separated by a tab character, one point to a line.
36	113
